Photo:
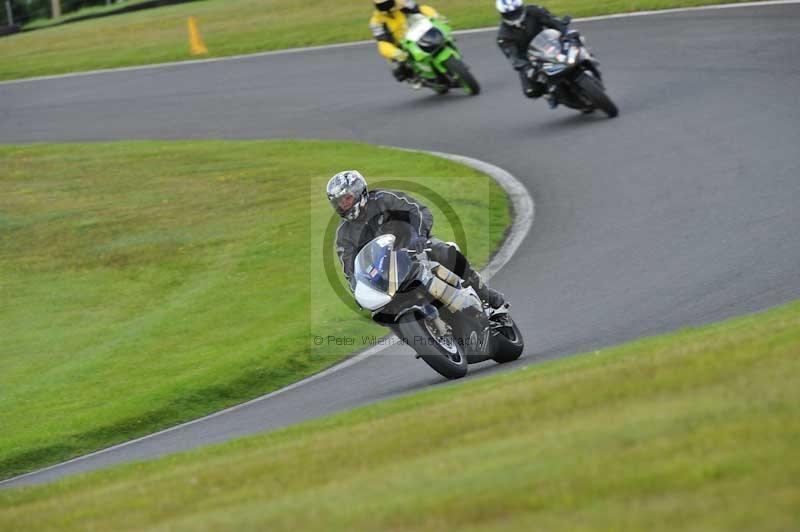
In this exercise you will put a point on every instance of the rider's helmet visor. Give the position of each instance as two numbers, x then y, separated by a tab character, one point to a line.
345	202
515	16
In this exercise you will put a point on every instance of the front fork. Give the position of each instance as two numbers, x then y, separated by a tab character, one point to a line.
559	87
444	54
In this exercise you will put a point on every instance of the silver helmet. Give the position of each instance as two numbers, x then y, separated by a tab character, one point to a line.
347	192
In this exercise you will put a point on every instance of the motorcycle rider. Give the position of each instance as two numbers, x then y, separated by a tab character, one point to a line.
364	212
520	25
389	24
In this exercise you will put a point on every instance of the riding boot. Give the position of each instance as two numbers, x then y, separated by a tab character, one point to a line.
450	256
488	295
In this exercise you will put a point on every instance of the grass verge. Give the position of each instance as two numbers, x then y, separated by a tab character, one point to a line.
695	430
232	27
148	283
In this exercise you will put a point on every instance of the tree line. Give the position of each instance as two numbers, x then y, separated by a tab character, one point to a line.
24	11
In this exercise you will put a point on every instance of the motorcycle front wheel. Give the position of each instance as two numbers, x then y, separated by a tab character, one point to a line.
461	72
507	342
444	355
593	89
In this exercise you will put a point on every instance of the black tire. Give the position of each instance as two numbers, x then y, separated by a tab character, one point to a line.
508	343
593	89
460	71
416	335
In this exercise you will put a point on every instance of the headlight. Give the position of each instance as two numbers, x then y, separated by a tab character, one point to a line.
572	55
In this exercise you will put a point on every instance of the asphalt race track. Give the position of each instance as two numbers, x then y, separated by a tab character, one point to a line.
684	210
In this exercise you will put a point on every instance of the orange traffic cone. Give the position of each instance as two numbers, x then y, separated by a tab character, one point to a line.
196	45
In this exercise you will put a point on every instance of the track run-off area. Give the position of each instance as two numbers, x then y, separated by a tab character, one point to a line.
682	211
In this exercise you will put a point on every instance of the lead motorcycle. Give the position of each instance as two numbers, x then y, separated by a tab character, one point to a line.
429	309
570	72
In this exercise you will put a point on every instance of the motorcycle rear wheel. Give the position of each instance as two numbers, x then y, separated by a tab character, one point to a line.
447	359
594	90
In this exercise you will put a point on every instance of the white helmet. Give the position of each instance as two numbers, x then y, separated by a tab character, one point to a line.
512	11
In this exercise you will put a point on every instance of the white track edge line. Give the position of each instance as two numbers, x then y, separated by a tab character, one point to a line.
189	62
523	212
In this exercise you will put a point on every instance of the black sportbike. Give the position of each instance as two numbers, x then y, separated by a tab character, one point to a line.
429	309
568	69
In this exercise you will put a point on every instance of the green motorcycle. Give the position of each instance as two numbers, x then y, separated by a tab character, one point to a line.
434	57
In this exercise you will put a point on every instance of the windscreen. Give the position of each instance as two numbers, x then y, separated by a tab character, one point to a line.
546	45
418	26
373	261
432	40
374	264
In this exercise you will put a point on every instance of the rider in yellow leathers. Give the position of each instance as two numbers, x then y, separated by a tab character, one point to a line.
389	24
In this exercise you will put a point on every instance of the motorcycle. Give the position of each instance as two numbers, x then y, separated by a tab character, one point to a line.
429	309
434	57
568	69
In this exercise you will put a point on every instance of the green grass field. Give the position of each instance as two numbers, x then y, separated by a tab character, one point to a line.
232	27
695	430
147	283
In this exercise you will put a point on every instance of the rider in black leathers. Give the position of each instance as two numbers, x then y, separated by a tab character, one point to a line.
366	214
521	24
